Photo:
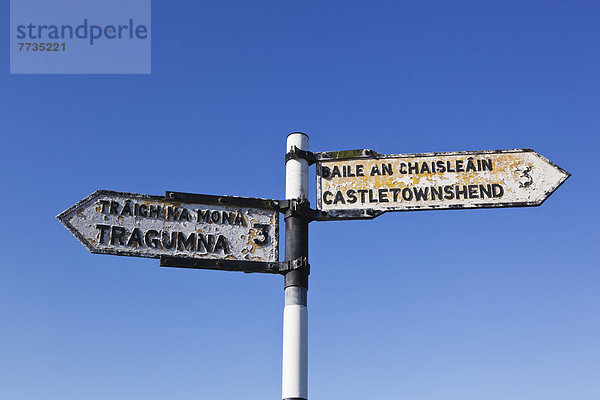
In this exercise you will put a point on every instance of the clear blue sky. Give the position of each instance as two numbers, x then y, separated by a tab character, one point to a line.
483	304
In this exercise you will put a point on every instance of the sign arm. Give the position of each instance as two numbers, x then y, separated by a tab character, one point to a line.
362	184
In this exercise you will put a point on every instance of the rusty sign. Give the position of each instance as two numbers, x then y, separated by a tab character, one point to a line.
364	184
215	232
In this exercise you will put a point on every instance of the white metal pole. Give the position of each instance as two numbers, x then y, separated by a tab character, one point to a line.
295	314
296	170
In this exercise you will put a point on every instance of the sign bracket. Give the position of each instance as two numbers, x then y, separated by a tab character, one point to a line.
346	155
297	154
312	158
223	200
282	267
299	208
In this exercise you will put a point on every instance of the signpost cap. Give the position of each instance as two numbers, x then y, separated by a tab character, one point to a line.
297	133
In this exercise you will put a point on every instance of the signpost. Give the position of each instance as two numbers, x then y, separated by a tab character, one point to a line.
242	234
364	184
217	232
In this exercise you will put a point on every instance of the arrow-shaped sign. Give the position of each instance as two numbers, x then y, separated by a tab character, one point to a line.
363	184
224	232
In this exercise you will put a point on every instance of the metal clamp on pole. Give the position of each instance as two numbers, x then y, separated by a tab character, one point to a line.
300	263
297	154
299	208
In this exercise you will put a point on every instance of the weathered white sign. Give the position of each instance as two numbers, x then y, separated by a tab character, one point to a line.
202	227
364	184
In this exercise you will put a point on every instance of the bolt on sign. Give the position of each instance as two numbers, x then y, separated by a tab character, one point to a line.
182	225
364	184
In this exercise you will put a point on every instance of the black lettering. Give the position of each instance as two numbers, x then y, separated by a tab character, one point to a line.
362	193
166	243
371	198
470	165
186	244
185	214
462	192
485	190
151	239
433	167
402	169
154	211
497	190
117	233
215	217
227	217
102	229
421	193
407	194
104	204
239	219
173	213
386	169
383	195
263	234
375	170
222	245
425	168
359	170
350	174
351	194
473	192
126	211
207	243
460	166
486	165
395	192
325	199
336	172
436	192
143	210
440	166
325	172
135	239
449	192
413	169
339	198
203	215
114	208
448	167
